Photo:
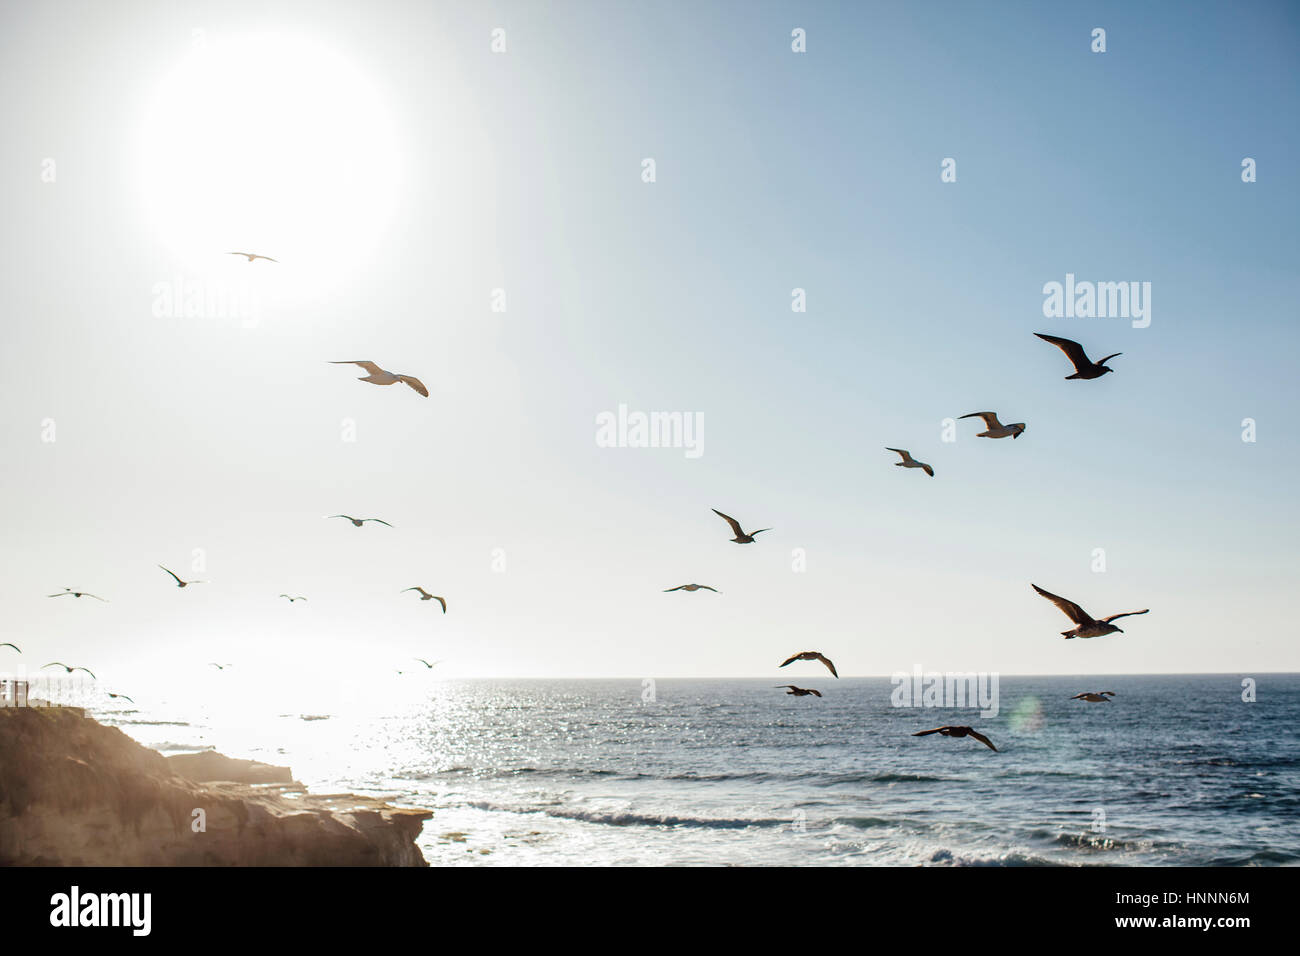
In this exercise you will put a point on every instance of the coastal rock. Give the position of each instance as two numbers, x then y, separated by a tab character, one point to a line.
76	793
208	766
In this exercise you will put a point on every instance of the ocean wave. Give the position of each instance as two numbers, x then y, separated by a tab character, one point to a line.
631	819
1011	858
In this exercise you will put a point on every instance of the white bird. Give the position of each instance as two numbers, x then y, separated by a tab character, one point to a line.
995	428
426	596
379	376
251	256
179	582
1088	626
910	462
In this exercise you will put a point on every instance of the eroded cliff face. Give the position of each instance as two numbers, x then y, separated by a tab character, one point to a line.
76	793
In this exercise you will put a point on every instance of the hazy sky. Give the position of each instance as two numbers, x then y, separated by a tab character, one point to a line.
401	170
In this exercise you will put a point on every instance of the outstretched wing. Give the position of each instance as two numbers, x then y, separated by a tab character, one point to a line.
1109	357
923	733
1075	613
827	661
172	573
990	418
87	670
816	692
927	469
793	659
1115	617
370	367
380	520
666	590
1073	350
981	738
707	588
14	646
442	602
901	451
735	525
415	383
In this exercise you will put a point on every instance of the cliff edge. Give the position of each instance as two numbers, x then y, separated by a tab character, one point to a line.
76	793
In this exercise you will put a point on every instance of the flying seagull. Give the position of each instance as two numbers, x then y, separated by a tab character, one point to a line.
995	429
68	669
14	646
426	596
958	732
379	376
1102	698
68	591
179	582
1087	626
741	537
123	696
220	667
694	587
799	691
910	462
1083	366
360	521
814	656
424	662
292	599
251	256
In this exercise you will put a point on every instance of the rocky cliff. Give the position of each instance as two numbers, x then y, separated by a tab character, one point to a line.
76	793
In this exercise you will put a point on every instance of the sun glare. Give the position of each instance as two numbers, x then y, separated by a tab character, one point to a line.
269	144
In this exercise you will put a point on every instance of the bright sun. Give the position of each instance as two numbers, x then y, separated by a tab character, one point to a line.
269	144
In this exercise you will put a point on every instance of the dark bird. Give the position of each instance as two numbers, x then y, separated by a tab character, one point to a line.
1083	366
123	696
1087	625
799	691
68	669
360	521
425	663
958	732
694	587
220	667
1102	698
426	596
68	591
251	256
910	462
14	646
741	537
292	599
994	428
179	582
813	656
379	376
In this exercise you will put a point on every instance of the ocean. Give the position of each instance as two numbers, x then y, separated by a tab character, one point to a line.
1175	771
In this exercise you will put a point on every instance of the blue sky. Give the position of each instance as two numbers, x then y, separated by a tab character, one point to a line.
775	170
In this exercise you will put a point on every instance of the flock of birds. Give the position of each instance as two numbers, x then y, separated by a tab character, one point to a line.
1085	625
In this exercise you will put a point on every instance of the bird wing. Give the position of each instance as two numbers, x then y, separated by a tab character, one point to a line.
901	451
60	594
56	664
422	661
380	520
927	469
172	573
1075	613
1078	697
1109	357
923	733
1113	617
95	596
349	517
1109	692
14	646
793	659
827	661
666	590
1073	350
990	418
707	588
124	697
370	367
415	383
735	525
981	738
781	686
416	588
817	692
87	670
442	602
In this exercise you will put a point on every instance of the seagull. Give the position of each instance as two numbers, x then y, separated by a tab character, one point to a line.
424	662
360	521
694	587
799	691
1083	366
813	656
68	669
1102	698
910	462
741	537
958	732
426	596
66	591
179	582
1087	626
995	428
220	667
292	599
14	646
379	376
252	255
123	696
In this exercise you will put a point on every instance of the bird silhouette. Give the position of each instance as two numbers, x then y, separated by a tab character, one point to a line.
426	596
813	656
1101	698
179	582
1087	626
68	592
693	587
1084	367
360	521
379	376
69	669
292	599
741	537
910	462
949	731
799	691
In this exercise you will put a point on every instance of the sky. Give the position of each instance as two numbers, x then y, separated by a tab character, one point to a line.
409	178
